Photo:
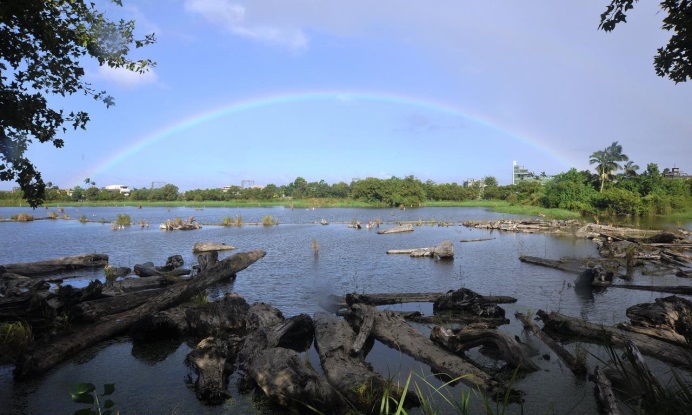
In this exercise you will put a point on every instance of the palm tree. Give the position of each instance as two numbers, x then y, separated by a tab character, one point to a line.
630	169
607	161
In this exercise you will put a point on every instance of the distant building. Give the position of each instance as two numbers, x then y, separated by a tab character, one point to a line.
675	173
520	173
121	188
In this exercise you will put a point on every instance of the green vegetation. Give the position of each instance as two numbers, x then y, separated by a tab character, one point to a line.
45	46
269	221
612	189
23	217
123	220
85	393
15	338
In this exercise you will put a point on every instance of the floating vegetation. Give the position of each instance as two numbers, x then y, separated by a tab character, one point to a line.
267	220
23	217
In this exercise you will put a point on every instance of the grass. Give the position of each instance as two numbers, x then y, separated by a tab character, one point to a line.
268	220
15	338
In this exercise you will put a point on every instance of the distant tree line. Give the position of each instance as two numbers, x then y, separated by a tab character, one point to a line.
612	188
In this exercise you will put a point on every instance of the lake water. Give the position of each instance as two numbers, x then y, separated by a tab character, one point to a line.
293	279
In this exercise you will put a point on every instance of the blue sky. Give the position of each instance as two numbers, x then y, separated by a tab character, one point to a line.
274	89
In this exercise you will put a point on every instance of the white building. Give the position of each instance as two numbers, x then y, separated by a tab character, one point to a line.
122	188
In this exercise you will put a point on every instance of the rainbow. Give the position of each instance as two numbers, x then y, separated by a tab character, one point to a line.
289	98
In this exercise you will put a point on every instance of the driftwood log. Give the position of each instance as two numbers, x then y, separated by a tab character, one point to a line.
397	229
350	375
211	246
476	240
44	356
268	357
605	394
444	250
470	303
570	327
51	266
465	339
668	318
577	367
173	268
392	330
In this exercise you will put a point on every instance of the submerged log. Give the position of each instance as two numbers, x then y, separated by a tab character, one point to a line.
211	246
443	251
571	327
476	240
573	265
348	374
393	331
397	229
44	356
50	266
465	339
577	367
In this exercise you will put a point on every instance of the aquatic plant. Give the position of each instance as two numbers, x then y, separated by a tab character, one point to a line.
269	221
83	219
23	217
123	220
52	215
85	393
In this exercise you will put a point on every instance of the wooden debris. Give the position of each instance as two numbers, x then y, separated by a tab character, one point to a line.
443	251
577	367
605	394
393	331
44	356
348	374
52	266
464	339
397	229
571	327
476	240
211	246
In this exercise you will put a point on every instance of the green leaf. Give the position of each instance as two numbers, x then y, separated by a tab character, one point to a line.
80	388
84	411
108	404
83	398
108	389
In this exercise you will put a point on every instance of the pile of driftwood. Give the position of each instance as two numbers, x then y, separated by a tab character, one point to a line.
264	345
179	225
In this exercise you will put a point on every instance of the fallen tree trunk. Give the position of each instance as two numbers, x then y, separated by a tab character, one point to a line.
573	265
393	331
678	289
91	311
605	394
349	375
476	240
459	341
443	251
584	331
211	246
397	229
470	303
44	356
129	285
50	266
577	367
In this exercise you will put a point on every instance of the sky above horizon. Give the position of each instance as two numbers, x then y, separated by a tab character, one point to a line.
271	90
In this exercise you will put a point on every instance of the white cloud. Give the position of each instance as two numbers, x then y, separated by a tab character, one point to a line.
233	18
127	79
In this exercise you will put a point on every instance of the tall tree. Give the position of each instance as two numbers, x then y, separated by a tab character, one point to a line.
630	169
675	59
607	161
43	46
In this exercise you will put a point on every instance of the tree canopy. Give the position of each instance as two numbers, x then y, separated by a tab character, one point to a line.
674	60
43	45
608	161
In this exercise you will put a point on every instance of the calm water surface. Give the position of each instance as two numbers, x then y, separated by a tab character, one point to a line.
151	380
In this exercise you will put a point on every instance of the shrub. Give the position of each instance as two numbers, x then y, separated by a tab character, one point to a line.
52	215
83	219
123	219
269	221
